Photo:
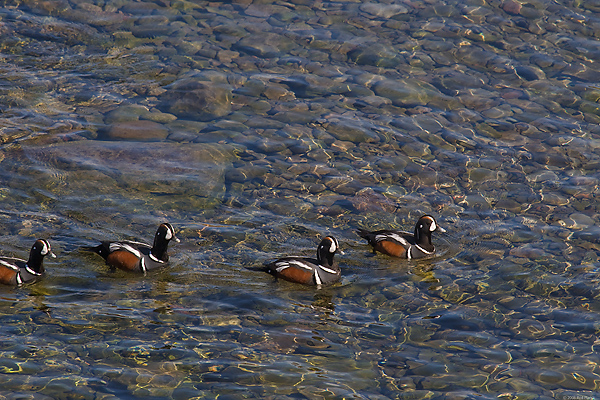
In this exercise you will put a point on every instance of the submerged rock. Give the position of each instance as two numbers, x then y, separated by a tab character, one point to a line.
195	99
383	10
142	130
118	168
410	93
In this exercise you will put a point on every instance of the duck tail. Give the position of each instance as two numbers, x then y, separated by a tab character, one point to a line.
94	249
365	234
260	268
101	249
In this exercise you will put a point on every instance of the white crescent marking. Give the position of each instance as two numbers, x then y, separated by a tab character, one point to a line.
45	249
433	226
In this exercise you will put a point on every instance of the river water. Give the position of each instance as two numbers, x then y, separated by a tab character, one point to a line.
256	128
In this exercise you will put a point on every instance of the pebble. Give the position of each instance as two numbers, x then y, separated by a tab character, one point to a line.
577	221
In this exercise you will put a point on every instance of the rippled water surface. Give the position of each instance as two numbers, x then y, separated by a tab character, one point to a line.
258	127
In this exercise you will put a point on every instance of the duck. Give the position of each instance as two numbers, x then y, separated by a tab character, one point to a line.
404	244
16	271
309	271
137	256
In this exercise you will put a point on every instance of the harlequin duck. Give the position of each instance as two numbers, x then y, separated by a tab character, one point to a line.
308	271
15	271
136	256
404	244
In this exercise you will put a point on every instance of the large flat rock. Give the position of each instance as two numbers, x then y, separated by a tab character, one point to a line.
107	171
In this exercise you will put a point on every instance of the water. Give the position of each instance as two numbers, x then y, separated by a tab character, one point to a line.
256	128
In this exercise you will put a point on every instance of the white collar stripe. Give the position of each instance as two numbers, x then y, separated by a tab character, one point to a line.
32	272
153	258
328	270
423	250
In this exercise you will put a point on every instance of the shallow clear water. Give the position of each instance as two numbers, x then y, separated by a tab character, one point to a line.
256	128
